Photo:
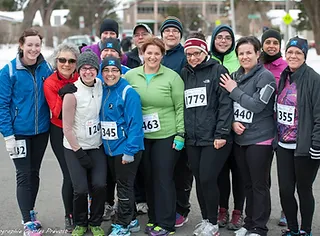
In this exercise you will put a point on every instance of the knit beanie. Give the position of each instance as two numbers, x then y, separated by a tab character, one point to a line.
112	44
111	61
196	43
109	25
88	57
271	33
171	21
299	43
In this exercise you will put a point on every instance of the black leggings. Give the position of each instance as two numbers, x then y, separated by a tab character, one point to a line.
206	164
254	162
301	172
237	185
56	140
27	172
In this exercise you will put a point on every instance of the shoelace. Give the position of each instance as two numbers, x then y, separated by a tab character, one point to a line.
116	228
201	223
31	226
158	228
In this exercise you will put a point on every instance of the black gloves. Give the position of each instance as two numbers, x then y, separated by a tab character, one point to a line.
68	88
84	158
82	45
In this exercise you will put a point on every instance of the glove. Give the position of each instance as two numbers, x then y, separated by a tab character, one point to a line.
11	144
127	158
68	88
178	143
314	152
84	158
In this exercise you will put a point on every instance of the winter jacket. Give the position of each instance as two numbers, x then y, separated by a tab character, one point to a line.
228	59
51	87
162	98
308	87
23	107
276	67
175	58
121	104
210	120
255	115
133	59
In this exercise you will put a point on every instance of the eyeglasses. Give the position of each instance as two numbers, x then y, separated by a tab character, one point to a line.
220	38
113	71
64	60
195	54
173	31
85	69
145	34
296	53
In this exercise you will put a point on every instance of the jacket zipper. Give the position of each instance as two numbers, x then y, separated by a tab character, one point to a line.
36	104
104	103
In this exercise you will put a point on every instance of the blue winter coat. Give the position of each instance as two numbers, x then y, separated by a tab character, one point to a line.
23	107
121	104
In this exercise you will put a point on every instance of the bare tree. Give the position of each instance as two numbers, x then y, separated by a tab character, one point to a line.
46	10
29	12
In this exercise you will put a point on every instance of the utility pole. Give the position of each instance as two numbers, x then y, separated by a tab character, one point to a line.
286	35
233	17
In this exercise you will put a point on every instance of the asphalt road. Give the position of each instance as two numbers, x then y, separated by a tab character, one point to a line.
50	207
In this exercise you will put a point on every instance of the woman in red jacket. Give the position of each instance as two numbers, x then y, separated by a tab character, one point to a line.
55	87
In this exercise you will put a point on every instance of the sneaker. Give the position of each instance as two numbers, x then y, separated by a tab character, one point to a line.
96	230
119	230
30	229
210	229
158	231
288	232
108	212
223	217
283	220
79	231
304	233
33	216
241	232
180	220
68	222
200	227
134	226
149	228
142	208
236	221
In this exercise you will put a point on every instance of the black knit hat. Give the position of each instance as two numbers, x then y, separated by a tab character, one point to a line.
109	25
111	61
112	44
171	21
271	33
88	57
299	43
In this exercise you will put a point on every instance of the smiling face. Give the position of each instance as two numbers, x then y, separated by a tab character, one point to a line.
31	49
107	34
109	52
111	75
140	35
223	41
247	56
66	63
152	57
88	74
271	46
195	56
295	58
171	37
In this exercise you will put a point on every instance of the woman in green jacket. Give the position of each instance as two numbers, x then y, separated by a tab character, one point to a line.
161	92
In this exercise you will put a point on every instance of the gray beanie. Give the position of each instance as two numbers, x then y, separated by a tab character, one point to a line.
88	57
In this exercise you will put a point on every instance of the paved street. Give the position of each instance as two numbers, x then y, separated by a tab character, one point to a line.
50	208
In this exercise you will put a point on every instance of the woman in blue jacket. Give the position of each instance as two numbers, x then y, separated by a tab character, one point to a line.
122	135
25	120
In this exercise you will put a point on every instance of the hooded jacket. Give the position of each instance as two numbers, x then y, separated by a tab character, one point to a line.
228	59
212	121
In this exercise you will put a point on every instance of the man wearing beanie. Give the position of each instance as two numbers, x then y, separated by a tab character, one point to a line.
109	28
141	32
171	32
83	148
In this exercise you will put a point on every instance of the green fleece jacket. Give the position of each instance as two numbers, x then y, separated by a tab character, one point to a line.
230	61
163	95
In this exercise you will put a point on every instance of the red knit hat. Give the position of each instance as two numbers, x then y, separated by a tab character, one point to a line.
196	43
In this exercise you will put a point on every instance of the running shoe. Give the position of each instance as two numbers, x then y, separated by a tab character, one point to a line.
304	233
223	217
68	222
119	230
134	226
79	231
96	230
180	220
108	212
200	227
30	229
148	228
241	232
283	220
158	231
33	216
142	208
236	221
210	229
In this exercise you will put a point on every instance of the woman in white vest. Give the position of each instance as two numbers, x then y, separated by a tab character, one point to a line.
84	153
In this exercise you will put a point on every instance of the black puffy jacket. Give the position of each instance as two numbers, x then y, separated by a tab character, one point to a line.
204	124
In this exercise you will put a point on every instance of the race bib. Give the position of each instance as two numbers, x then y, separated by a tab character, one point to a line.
21	149
109	130
195	97
242	114
285	114
151	123
92	128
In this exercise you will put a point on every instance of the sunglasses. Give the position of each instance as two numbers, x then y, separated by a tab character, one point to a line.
64	60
